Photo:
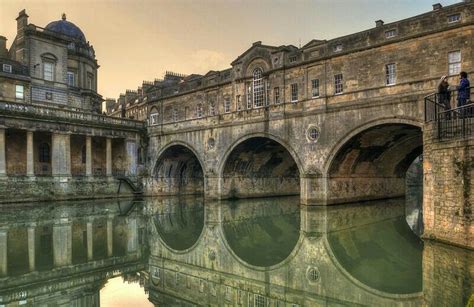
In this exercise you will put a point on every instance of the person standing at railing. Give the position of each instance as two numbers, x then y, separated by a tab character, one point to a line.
444	95
464	93
463	89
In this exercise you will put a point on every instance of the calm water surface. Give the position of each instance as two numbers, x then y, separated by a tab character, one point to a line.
262	252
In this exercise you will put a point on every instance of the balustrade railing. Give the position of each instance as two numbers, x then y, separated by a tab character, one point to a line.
43	111
451	120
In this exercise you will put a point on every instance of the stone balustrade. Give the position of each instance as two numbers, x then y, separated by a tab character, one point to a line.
32	110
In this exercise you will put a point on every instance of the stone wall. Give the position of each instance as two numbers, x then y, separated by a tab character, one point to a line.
51	188
448	186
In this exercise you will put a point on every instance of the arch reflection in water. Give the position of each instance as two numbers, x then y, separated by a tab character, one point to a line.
179	221
262	232
377	248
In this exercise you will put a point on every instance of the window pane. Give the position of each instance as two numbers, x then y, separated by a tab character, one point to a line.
48	71
315	88
258	88
338	85
294	92
19	90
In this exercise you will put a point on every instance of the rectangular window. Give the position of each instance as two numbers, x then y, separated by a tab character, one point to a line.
199	110
338	85
90	81
390	33
227	105
454	62
175	115
454	18
70	78
19	92
294	92
7	68
49	96
276	95
338	48
212	109
249	97
154	118
239	102
48	71
315	88
390	74
293	59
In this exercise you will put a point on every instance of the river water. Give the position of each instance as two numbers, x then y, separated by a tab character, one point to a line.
260	252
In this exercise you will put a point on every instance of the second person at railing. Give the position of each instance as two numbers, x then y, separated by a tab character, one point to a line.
444	95
463	89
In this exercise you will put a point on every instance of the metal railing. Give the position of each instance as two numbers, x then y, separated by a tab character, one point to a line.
16	108
451	120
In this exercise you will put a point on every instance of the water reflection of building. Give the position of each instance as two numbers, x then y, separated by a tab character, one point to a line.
64	254
365	254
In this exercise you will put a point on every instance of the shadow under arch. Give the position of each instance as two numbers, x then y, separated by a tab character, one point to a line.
259	165
371	161
178	170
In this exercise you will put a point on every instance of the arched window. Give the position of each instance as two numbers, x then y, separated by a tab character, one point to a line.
199	110
44	153
258	88
154	117
83	154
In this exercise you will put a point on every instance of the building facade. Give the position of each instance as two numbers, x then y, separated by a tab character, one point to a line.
53	141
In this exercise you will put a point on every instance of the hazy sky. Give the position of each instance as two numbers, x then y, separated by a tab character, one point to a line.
138	40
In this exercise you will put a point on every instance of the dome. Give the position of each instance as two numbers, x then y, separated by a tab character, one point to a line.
66	28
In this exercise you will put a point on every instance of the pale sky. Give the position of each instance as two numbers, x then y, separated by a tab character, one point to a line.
138	40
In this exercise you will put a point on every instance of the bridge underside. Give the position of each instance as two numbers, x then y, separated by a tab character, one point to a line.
373	164
177	172
259	167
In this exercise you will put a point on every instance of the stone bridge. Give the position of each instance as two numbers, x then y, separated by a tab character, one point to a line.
339	154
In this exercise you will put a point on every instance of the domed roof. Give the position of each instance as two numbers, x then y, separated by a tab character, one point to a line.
66	28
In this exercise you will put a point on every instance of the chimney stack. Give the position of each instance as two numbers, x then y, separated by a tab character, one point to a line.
3	47
437	6
21	20
378	23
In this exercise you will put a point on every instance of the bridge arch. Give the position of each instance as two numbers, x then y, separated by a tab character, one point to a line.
178	170
259	165
371	161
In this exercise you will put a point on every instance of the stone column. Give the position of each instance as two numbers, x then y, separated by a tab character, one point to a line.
90	243
132	244
3	252
131	149
110	236
88	156
313	190
62	243
108	156
30	167
61	155
3	161
31	246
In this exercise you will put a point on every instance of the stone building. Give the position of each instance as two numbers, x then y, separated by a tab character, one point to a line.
53	141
